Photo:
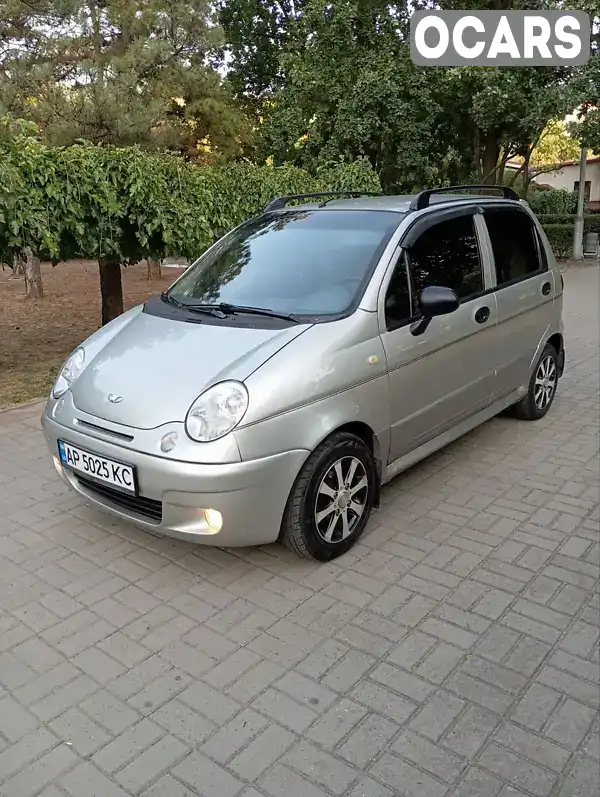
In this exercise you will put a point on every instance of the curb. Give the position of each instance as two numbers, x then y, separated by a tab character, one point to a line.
23	406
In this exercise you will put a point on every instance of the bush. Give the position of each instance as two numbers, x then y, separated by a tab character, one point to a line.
557	201
561	239
591	221
123	205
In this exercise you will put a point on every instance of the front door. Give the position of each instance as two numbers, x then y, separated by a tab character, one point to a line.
446	374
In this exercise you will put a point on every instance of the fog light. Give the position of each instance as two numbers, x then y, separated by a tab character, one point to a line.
214	519
168	442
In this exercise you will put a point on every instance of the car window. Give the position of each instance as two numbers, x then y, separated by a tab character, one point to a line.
312	263
515	244
447	254
398	309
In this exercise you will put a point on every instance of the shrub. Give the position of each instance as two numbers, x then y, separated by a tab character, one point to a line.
560	237
123	205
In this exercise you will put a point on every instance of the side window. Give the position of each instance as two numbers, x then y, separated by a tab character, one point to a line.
515	245
448	255
398	309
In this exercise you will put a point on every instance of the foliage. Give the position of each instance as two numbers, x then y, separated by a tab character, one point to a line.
125	204
554	146
560	237
553	201
120	72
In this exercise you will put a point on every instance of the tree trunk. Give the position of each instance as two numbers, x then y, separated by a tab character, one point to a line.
18	267
111	289
489	157
33	275
154	271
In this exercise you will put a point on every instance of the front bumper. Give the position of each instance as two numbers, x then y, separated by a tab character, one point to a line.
251	496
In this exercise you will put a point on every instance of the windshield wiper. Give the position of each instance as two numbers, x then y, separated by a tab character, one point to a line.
233	309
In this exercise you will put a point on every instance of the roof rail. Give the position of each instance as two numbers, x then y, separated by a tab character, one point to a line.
422	199
281	201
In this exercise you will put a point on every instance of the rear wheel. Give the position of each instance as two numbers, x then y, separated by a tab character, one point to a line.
542	387
331	501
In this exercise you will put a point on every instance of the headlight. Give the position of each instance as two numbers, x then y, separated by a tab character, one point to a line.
69	373
217	411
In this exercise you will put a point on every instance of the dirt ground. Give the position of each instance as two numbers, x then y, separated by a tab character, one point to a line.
37	335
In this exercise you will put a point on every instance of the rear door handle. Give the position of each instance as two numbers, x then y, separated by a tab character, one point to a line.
546	288
482	315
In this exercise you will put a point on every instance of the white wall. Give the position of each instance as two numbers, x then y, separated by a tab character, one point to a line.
568	176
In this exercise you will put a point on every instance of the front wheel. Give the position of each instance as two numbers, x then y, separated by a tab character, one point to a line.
542	387
331	501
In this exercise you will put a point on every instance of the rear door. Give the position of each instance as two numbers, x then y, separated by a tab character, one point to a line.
446	374
524	292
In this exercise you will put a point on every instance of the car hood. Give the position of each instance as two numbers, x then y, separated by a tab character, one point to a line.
159	366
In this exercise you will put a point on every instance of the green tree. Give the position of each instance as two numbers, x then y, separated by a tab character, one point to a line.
120	72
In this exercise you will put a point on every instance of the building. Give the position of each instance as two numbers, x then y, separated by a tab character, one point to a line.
566	176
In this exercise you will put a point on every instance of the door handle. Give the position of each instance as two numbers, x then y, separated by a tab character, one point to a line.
482	315
546	288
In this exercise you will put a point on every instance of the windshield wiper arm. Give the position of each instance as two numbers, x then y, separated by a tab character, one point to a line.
232	309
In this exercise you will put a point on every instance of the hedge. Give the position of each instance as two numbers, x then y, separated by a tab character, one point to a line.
123	205
560	228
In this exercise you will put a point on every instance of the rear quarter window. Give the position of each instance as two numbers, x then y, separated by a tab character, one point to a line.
517	248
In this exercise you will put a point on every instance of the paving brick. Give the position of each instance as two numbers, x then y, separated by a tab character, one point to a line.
281	708
62	698
349	670
569	724
15	721
477	783
129	744
517	770
402	682
440	662
527	655
494	675
437	715
184	723
35	776
205	777
80	732
583	779
367	740
336	723
147	766
261	752
306	691
533	747
86	779
212	704
254	681
109	712
383	701
583	691
233	736
471	731
403	778
26	750
231	668
478	692
280	781
319	767
367	787
535	707
428	756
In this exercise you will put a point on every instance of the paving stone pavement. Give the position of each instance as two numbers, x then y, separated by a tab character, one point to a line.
454	651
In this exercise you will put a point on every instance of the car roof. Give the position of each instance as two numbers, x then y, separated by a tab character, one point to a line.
397	204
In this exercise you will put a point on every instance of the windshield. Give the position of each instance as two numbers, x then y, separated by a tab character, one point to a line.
310	263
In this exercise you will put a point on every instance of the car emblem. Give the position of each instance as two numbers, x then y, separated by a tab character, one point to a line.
114	399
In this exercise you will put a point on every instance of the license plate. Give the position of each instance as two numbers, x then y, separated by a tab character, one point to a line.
101	469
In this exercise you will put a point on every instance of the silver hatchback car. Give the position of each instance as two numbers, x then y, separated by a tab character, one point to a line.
308	357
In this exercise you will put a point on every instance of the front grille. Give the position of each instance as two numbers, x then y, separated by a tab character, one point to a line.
147	507
93	427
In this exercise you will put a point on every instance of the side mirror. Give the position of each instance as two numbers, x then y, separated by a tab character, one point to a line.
434	300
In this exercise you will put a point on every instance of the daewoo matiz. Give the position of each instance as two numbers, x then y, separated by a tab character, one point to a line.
305	359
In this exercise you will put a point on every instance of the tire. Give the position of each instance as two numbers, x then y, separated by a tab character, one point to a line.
542	387
321	520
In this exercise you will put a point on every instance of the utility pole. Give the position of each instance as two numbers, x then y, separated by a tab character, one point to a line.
578	230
